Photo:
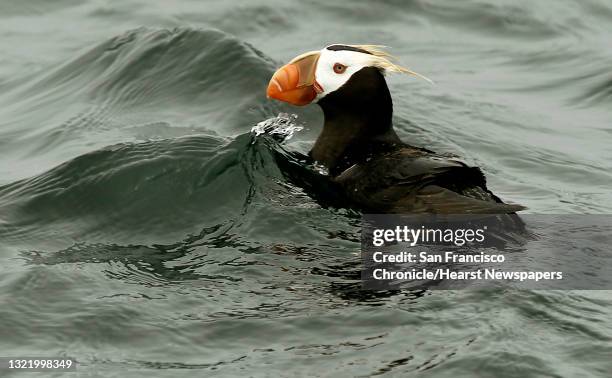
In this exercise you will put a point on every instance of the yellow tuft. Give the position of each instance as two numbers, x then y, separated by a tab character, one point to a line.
383	60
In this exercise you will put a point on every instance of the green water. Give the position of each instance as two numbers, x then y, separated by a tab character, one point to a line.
145	232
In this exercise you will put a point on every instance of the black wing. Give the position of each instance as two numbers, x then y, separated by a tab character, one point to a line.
417	181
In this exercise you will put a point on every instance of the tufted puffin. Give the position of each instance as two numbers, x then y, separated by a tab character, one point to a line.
375	170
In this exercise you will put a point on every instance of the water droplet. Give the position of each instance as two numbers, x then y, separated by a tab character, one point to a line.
282	127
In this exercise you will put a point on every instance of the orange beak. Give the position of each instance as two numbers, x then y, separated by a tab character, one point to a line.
295	82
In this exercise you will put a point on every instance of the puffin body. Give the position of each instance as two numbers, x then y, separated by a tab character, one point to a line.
375	170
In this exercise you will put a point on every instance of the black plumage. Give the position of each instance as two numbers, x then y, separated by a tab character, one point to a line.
378	172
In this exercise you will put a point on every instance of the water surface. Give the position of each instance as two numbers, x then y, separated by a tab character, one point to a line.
145	232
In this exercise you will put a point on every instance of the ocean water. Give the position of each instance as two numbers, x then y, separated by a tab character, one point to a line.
146	232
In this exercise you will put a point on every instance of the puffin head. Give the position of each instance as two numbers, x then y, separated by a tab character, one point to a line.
312	76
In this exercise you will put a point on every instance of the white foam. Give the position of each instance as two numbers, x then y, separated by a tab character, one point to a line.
284	125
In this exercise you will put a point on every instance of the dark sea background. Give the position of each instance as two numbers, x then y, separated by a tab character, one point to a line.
145	231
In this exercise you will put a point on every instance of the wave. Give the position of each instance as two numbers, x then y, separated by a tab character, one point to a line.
142	84
36	7
155	67
506	19
599	90
146	188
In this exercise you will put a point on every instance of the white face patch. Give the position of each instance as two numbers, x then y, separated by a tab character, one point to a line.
330	79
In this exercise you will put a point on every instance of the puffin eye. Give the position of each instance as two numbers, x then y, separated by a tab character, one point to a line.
339	68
